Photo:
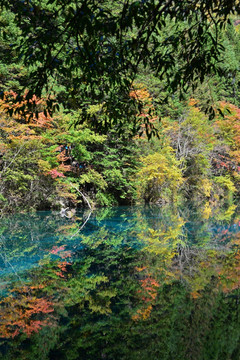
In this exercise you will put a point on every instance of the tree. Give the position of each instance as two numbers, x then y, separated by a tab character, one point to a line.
88	52
159	178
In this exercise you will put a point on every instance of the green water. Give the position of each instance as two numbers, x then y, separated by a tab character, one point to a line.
121	283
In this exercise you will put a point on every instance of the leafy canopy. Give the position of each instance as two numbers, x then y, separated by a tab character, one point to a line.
87	52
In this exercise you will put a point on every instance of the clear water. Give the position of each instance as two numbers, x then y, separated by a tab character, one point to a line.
121	283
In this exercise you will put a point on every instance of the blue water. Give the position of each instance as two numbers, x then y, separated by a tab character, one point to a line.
128	283
26	238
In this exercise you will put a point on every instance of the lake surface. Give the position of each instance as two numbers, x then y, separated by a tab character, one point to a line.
121	283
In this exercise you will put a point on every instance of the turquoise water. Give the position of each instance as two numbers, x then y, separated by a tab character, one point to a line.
121	283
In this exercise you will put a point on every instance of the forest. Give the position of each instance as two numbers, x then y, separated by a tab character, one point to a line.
119	179
117	110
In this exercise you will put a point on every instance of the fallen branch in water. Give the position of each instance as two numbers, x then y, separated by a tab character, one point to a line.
84	197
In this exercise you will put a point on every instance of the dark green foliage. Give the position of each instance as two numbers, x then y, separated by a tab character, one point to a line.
92	51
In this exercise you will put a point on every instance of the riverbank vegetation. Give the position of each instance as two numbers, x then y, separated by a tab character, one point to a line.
168	147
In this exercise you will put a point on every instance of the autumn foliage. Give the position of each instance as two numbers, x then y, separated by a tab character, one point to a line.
23	312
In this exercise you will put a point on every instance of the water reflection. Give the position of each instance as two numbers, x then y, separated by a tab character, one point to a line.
133	283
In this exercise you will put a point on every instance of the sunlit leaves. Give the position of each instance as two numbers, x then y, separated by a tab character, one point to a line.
158	174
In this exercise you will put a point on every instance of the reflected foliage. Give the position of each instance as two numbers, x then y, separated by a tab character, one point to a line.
134	283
